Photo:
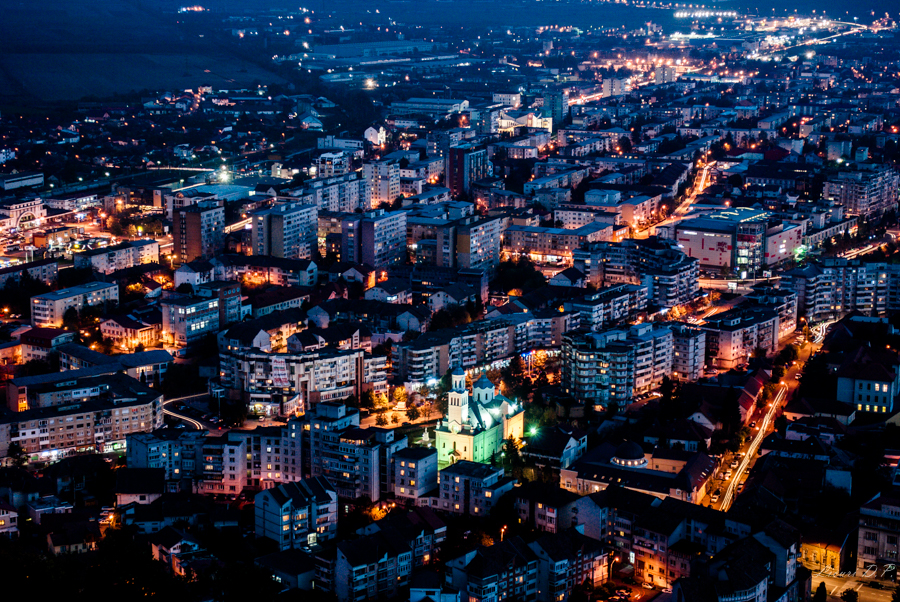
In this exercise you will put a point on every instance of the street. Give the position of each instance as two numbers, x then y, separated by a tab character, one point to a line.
836	585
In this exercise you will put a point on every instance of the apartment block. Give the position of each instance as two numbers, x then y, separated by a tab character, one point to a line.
732	336
187	320
688	351
313	377
383	178
55	415
376	238
671	277
879	532
469	488
298	514
609	305
505	571
48	309
285	230
198	230
415	473
871	190
44	270
356	461
119	257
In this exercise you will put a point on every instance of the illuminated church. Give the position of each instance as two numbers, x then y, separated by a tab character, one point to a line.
475	428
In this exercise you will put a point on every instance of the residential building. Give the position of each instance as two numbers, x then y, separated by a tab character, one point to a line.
868	191
297	515
310	377
671	276
48	309
357	461
505	571
733	336
688	351
566	561
419	528
879	530
44	270
383	179
465	165
613	366
119	257
370	568
187	320
285	230
609	305
415	473
869	379
376	238
54	415
469	488
38	343
228	294
198	230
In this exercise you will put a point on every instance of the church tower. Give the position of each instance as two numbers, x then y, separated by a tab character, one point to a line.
457	401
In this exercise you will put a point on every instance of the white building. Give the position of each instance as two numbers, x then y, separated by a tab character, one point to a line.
48	309
119	257
287	230
297	514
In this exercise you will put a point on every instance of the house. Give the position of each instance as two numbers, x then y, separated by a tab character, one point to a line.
294	569
176	549
570	277
392	290
38	343
139	485
451	296
557	446
74	538
9	520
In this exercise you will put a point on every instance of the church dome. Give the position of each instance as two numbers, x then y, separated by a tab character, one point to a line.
629	454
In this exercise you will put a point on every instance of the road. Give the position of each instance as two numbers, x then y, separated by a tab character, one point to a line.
836	585
750	454
187	419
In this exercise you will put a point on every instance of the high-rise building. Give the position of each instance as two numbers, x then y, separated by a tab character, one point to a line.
671	277
556	106
198	230
868	191
376	238
470	243
383	178
466	164
286	230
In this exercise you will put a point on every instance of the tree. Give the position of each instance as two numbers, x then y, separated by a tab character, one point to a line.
70	319
412	413
139	348
850	595
731	410
395	419
380	420
895	597
760	353
821	593
17	454
400	396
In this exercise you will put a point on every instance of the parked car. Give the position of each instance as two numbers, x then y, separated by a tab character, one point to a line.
646	585
734	464
667	590
740	488
727	475
715	496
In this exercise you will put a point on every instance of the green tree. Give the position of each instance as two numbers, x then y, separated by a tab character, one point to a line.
400	395
380	420
850	595
395	419
70	319
17	454
412	413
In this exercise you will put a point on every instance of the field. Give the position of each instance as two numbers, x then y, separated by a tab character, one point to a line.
53	77
55	50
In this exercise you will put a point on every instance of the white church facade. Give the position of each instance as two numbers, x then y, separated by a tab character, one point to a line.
476	427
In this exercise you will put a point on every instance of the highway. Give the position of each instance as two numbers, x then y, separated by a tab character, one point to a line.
748	458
